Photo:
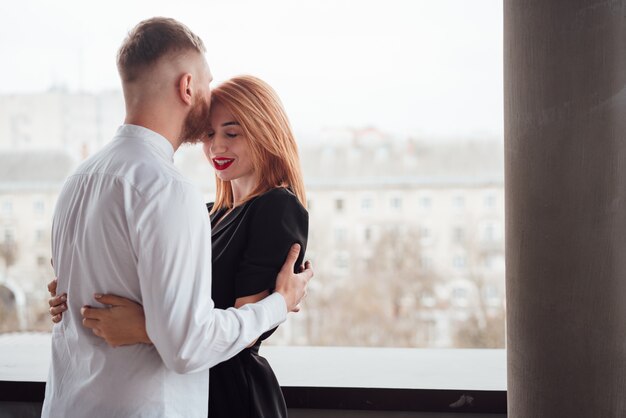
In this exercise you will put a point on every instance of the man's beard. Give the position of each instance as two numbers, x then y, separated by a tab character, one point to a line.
196	123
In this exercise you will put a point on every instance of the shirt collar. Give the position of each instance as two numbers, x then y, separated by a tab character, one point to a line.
158	141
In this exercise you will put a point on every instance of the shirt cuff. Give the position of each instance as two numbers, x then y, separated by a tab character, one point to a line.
276	307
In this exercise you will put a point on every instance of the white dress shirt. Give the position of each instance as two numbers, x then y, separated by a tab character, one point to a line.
128	223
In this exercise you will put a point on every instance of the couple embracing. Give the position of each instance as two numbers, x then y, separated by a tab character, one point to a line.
154	286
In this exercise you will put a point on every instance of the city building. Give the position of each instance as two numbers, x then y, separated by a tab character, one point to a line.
408	232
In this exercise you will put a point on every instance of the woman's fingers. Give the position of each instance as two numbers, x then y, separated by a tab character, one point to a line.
91	313
57	300
90	323
52	287
58	305
113	300
59	309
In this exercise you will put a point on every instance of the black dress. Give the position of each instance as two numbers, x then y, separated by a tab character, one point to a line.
249	247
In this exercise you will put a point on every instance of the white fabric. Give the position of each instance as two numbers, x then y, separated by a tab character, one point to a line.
128	223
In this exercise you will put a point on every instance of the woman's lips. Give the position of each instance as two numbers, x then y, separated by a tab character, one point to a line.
222	163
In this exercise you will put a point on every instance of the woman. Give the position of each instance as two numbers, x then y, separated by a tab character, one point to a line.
258	213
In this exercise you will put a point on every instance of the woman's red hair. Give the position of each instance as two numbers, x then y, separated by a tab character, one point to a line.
259	111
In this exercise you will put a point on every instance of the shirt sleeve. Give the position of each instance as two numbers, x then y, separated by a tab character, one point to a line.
278	221
172	242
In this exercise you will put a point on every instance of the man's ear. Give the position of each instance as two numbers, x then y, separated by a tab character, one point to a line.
184	89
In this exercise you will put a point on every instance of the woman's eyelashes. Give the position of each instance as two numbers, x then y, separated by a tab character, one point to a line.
211	134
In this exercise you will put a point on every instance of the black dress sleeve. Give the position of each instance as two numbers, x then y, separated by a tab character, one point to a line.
277	221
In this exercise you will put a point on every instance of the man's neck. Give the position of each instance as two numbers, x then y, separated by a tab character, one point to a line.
155	124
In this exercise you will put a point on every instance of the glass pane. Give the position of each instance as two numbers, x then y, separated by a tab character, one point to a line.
397	107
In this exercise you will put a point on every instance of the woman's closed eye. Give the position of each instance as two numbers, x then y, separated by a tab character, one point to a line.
231	134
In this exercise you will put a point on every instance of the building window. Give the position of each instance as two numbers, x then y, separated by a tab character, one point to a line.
459	295
490	201
342	261
491	292
458	234
458	202
396	203
341	234
339	205
425	202
425	262
425	235
367	204
9	236
7	208
459	262
39	234
39	207
490	233
42	261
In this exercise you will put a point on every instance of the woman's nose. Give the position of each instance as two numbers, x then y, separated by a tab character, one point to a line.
218	145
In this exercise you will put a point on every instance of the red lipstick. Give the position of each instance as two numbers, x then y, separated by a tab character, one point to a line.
222	163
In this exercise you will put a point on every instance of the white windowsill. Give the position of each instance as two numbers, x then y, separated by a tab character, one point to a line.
25	358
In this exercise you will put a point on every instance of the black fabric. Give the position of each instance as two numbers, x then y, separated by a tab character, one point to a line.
249	247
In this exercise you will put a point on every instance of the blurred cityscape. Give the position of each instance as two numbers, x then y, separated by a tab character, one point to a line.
406	234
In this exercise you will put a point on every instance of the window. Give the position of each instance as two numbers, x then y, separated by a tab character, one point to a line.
490	232
367	234
389	177
341	234
460	296
39	207
458	202
342	262
425	235
9	236
7	208
425	262
458	234
459	262
367	203
425	202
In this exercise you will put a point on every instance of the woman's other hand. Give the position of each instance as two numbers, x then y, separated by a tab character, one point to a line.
122	323
58	304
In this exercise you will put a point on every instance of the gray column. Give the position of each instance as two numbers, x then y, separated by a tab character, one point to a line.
565	174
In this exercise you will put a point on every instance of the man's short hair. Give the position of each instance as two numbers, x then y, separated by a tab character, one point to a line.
151	40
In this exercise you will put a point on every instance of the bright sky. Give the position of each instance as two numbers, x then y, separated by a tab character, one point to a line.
409	67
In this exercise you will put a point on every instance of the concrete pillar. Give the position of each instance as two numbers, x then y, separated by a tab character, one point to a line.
565	176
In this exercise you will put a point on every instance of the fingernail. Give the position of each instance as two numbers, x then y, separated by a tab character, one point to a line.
98	295
64	298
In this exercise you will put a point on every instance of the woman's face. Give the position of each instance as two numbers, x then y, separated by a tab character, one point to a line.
226	148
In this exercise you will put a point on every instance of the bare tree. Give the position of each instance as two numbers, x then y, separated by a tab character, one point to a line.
484	327
380	303
8	311
9	254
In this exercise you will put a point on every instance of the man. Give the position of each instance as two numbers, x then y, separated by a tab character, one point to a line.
128	223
